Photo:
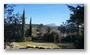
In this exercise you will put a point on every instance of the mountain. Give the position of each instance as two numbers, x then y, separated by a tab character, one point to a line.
34	25
52	24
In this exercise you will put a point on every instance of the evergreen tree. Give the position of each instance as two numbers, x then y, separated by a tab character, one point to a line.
77	17
30	27
23	24
11	24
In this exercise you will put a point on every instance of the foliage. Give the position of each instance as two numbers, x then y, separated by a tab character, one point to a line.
62	28
34	38
41	25
69	39
30	28
77	17
27	39
23	24
48	37
74	33
41	29
49	29
11	24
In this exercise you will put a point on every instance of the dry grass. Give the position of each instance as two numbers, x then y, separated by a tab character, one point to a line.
46	44
52	45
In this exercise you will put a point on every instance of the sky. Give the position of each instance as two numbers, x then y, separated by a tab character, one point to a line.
44	13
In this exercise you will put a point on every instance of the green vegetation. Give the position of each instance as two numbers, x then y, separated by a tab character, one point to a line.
30	27
77	17
23	24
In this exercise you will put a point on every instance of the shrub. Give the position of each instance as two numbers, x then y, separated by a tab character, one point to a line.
26	39
48	37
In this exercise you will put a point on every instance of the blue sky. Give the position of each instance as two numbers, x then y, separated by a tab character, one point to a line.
44	13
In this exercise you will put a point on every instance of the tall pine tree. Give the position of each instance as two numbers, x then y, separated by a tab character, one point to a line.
23	24
30	27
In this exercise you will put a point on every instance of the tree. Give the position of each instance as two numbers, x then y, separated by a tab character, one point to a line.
49	29
23	24
30	27
77	17
11	23
57	35
41	25
63	28
41	29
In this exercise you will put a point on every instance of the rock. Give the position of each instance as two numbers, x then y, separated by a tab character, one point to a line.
41	47
21	47
7	47
30	46
15	45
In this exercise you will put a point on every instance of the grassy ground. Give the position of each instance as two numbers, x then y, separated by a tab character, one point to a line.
66	46
46	44
52	45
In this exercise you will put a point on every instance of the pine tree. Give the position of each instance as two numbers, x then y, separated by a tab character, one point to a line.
77	17
23	24
30	27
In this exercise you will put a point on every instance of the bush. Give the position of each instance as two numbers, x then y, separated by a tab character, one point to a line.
79	42
34	38
69	39
26	39
48	37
